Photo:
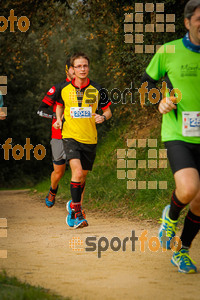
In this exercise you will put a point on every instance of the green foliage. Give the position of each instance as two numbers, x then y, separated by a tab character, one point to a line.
33	61
12	289
107	19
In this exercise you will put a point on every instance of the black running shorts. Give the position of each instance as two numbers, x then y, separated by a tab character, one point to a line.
183	155
85	152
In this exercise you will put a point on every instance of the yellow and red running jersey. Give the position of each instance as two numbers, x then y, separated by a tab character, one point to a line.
80	104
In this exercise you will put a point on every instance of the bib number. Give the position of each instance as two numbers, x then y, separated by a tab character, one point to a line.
191	123
80	112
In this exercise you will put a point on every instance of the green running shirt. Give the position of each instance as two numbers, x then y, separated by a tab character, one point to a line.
183	70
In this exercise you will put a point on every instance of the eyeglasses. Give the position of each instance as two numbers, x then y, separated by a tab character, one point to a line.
79	67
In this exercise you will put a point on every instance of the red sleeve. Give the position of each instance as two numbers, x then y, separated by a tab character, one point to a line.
48	101
107	105
59	103
104	102
52	95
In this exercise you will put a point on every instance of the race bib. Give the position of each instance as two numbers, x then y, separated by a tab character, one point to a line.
191	123
81	112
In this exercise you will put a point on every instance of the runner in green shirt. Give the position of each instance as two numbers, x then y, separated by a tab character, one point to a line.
179	62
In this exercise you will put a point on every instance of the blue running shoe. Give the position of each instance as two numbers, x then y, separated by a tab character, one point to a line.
167	229
50	198
70	219
183	261
80	222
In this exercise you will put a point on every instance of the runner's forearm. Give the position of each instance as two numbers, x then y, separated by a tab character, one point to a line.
107	113
59	112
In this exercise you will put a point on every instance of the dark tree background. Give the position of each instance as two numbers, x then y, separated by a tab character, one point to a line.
35	60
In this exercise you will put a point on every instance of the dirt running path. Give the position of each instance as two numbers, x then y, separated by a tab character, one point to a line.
39	252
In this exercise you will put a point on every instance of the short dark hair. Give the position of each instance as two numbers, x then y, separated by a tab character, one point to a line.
190	7
78	55
68	63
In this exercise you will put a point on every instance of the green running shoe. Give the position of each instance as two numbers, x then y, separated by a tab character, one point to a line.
183	261
167	228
